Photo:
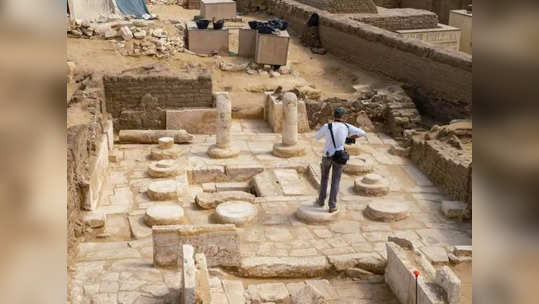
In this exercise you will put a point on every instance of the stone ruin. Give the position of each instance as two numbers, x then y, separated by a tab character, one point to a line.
343	6
182	203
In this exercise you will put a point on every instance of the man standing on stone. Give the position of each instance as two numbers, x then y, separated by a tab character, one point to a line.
341	131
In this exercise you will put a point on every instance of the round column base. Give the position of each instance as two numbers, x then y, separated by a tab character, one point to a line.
283	151
216	152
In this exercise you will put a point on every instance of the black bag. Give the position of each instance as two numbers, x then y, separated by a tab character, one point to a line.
340	157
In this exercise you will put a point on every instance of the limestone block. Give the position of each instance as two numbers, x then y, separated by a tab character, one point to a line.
371	185
436	254
401	280
243	172
234	291
164	214
236	212
219	243
188	275
163	190
369	261
283	267
206	41
234	186
324	288
247	42
152	136
387	211
316	215
166	142
272	49
269	292
449	281
265	184
97	175
109	131
126	33
202	279
207	174
212	200
308	295
218	9
194	121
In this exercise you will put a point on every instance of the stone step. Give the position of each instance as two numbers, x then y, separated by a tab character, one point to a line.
284	267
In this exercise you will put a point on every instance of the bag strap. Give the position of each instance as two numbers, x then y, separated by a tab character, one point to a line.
331	132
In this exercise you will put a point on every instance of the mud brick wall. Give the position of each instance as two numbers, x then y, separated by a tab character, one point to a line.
343	6
440	7
441	76
400	19
140	101
448	169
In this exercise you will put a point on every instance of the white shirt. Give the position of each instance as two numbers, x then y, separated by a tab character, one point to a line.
340	132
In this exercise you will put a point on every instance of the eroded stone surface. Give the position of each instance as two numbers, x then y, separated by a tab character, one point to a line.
164	168
164	214
236	212
170	153
387	211
283	267
208	200
371	185
359	165
166	142
316	215
283	151
163	190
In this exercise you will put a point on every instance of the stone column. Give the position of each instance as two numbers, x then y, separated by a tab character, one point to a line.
290	116
222	148
289	146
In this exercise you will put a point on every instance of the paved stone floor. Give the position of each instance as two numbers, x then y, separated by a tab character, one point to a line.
117	268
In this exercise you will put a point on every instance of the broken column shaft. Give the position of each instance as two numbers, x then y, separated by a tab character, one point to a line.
289	146
222	148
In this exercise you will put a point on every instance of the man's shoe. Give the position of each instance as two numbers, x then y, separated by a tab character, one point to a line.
331	210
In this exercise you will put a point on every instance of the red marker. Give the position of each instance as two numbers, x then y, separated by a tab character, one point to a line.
416	274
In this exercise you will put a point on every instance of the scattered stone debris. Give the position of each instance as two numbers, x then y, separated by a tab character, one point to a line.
133	37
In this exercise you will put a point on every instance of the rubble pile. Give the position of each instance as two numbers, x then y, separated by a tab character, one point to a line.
253	68
133	37
388	109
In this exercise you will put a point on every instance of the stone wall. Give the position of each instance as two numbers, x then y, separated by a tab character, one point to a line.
440	7
219	243
400	19
388	110
441	79
343	6
447	162
138	98
78	155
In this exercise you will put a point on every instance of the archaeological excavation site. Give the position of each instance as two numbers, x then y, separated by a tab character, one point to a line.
198	138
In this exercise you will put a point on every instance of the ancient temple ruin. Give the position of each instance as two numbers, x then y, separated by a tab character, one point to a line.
192	171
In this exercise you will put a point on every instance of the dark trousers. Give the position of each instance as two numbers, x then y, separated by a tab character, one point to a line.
328	163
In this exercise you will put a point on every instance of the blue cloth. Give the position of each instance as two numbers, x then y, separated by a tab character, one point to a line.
133	7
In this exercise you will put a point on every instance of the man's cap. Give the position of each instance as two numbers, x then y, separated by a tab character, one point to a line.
339	111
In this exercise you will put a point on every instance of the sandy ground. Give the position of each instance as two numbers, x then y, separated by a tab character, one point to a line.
333	76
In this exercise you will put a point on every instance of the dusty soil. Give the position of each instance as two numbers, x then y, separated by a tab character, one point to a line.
333	76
